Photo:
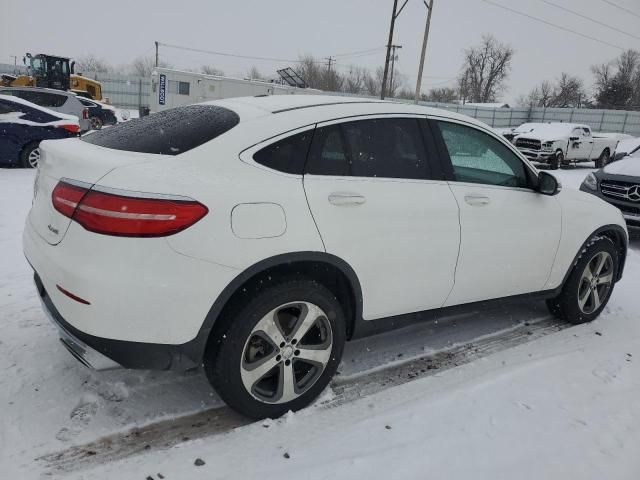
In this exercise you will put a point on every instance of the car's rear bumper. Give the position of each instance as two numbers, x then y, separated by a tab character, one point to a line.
85	354
145	304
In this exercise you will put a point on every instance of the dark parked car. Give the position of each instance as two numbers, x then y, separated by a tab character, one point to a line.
23	125
99	113
619	184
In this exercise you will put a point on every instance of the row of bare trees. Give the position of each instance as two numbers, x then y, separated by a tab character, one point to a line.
483	79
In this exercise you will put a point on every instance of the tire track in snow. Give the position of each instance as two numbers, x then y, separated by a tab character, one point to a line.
168	433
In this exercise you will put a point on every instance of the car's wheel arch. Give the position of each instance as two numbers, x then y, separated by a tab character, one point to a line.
617	235
331	271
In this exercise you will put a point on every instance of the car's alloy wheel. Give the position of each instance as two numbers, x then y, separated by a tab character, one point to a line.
590	283
34	157
286	352
276	347
96	123
596	282
30	155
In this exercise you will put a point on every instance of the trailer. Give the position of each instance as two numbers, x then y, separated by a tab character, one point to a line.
173	88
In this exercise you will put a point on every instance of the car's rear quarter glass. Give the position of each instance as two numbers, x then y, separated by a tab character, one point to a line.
170	132
288	155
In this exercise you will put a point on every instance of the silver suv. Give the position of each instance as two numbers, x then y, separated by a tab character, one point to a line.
58	100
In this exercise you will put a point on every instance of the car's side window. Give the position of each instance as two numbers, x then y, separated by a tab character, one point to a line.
380	148
287	155
328	154
477	157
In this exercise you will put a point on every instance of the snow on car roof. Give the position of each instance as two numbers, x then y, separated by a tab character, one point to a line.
61	116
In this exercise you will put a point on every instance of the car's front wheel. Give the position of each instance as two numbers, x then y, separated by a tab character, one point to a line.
589	286
279	351
556	161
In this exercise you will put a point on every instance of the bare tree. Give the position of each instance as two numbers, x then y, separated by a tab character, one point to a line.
255	74
441	95
485	70
211	70
373	82
569	92
143	66
310	71
617	82
354	81
91	64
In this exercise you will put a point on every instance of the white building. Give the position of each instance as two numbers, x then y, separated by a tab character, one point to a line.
172	88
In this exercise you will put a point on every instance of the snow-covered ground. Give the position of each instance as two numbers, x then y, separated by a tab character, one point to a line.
564	405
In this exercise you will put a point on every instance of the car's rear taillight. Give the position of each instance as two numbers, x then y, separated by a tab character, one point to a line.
126	213
70	127
85	113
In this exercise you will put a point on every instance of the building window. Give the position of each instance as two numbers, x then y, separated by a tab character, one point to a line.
180	88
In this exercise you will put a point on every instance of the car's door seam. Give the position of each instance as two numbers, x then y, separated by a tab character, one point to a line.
455	270
306	197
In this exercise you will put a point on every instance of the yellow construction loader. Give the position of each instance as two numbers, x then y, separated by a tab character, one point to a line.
51	71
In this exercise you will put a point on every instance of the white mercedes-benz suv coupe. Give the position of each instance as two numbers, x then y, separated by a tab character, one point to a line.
255	236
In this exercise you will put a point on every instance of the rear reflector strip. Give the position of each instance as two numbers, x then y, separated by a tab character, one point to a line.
72	296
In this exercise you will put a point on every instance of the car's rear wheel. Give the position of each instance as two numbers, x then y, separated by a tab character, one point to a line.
603	160
96	123
279	351
589	286
30	155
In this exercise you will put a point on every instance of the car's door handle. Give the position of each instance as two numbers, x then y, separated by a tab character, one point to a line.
476	199
346	198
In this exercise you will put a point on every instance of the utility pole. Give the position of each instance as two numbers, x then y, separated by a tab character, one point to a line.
329	60
424	48
393	63
394	15
156	54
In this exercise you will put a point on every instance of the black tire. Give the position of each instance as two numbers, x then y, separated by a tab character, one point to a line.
556	160
566	306
226	349
26	154
96	123
603	159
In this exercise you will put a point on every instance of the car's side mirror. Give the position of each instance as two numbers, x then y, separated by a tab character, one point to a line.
574	139
548	184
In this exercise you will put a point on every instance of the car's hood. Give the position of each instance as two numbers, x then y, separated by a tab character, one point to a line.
628	166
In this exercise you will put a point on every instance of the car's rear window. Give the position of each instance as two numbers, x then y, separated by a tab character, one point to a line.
170	132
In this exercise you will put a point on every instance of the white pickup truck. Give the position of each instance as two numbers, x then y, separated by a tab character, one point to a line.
562	143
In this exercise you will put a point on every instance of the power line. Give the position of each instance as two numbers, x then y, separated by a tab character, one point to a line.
267	59
531	17
630	12
224	54
590	19
368	51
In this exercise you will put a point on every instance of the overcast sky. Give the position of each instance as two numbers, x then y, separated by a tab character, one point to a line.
119	31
